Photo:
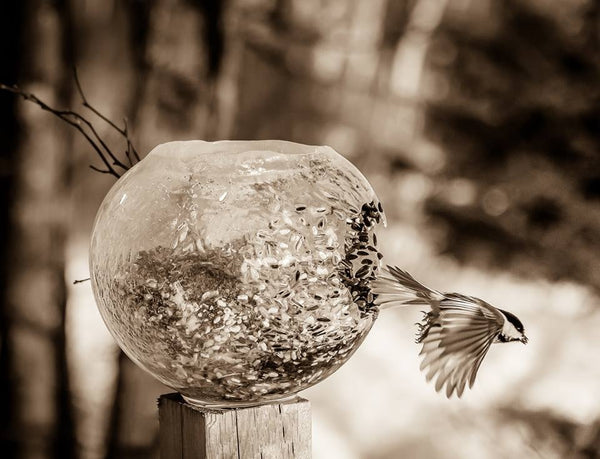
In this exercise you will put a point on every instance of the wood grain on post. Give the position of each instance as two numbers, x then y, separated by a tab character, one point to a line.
275	431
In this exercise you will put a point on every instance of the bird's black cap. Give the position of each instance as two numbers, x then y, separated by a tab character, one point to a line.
513	320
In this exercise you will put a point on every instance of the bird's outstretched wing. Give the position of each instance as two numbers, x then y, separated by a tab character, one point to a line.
455	340
397	287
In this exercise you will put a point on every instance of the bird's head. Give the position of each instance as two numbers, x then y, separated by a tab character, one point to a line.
513	329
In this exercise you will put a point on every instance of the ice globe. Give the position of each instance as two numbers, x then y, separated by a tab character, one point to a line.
238	272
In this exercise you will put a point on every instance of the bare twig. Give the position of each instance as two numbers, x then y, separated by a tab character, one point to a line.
87	129
80	281
128	151
124	132
71	118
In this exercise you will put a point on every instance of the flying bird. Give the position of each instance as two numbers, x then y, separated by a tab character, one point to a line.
456	333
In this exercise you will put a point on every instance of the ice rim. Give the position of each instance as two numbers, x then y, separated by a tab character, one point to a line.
190	148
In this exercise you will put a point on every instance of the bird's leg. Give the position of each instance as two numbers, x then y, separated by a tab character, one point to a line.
424	326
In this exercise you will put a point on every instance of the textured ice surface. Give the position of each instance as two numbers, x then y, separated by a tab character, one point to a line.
238	272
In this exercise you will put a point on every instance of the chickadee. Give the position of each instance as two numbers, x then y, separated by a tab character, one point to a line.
456	334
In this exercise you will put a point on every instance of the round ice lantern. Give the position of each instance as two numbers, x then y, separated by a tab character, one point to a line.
238	273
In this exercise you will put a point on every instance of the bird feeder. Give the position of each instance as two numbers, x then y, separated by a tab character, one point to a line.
238	272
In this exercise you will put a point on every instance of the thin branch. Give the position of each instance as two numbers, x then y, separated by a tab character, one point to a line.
130	147
80	281
87	129
102	171
124	132
71	118
116	161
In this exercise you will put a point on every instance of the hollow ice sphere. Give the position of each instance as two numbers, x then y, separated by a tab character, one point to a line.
238	272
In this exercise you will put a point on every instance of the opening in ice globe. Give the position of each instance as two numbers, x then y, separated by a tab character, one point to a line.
238	272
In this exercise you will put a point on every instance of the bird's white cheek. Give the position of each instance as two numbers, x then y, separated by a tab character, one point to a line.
509	331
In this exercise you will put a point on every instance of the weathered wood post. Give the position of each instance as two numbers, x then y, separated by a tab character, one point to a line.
274	431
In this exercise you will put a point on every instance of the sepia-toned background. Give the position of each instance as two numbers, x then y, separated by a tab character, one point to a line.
476	121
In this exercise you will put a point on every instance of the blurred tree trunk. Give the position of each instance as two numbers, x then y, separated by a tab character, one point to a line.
34	369
178	100
320	75
11	22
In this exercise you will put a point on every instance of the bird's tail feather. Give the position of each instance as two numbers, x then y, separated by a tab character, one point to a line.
396	287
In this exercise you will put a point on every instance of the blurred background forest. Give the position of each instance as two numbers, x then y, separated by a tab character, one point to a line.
476	121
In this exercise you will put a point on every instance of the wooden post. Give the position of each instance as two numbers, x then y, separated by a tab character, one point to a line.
275	431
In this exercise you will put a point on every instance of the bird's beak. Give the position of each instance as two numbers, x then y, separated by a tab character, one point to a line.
524	339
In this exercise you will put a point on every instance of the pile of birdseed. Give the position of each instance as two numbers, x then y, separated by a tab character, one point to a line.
264	315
